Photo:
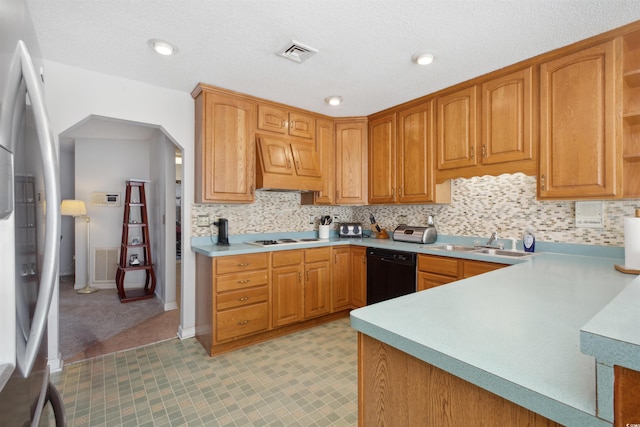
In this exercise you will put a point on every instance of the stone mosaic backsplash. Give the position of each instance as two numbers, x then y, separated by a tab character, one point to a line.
480	205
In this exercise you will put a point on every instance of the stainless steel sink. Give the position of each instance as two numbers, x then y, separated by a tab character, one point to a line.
501	252
455	248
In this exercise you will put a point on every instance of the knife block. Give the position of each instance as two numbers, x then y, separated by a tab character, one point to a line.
382	234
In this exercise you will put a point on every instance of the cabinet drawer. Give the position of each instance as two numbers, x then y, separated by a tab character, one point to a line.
316	255
282	258
439	265
242	297
241	321
249	279
234	264
429	280
473	268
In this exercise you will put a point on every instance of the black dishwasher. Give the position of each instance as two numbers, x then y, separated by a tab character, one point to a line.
390	274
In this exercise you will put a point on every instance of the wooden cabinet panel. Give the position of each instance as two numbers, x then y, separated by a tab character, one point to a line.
317	254
302	126
473	268
507	118
325	137
415	163
305	159
282	258
317	289
238	263
234	281
358	276
429	280
382	159
276	156
287	295
579	140
225	148
457	129
440	265
242	321
341	278
272	118
242	297
351	163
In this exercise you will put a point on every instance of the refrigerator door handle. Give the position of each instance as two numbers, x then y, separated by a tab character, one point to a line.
25	71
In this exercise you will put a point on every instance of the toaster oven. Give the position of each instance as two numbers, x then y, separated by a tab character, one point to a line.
350	229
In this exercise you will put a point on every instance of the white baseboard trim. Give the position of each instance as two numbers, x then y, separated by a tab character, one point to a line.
170	306
55	365
186	332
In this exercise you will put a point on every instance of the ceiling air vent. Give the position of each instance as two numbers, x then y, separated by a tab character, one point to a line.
297	51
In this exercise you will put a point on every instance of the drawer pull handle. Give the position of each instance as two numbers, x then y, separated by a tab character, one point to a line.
243	298
244	281
243	322
242	264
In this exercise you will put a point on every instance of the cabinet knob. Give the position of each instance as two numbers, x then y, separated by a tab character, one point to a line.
288	164
484	151
242	264
243	322
542	183
473	152
299	277
243	298
244	281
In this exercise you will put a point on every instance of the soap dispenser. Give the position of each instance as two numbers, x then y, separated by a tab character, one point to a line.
529	241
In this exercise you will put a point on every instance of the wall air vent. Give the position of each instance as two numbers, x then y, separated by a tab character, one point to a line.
297	51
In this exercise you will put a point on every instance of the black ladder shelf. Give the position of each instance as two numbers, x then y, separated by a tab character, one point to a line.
135	249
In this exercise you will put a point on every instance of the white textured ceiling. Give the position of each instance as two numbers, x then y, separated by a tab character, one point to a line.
365	46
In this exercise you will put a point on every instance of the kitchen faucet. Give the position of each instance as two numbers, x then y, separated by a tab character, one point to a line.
494	237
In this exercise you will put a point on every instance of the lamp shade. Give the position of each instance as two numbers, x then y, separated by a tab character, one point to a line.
73	208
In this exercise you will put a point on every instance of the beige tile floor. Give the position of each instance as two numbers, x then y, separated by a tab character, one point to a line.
308	378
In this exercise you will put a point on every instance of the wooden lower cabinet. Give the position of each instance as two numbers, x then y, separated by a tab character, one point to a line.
317	285
396	389
358	276
341	278
287	287
434	270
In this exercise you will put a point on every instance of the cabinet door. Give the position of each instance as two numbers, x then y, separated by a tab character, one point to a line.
341	278
415	164
457	129
225	142
579	142
302	125
326	153
287	297
305	159
429	280
358	276
317	289
382	159
473	268
351	163
507	118
275	155
272	119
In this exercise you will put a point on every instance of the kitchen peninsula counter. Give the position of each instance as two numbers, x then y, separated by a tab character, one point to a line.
515	332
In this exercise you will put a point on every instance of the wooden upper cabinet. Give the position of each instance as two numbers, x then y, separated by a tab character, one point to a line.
508	120
382	159
457	129
225	147
351	162
579	137
287	164
325	138
279	120
415	164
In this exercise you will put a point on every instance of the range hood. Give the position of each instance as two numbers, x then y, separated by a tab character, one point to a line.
287	164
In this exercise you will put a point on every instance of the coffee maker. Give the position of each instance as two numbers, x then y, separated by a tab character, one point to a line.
223	231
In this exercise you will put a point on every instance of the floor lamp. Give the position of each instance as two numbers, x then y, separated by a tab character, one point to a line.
77	209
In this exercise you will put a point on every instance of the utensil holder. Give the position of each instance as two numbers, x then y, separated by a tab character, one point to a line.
323	231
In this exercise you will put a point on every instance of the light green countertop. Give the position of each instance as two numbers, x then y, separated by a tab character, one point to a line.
530	333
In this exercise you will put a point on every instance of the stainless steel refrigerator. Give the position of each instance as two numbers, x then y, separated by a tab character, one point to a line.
29	235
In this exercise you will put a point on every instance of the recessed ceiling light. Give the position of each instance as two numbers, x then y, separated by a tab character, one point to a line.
424	58
163	47
333	100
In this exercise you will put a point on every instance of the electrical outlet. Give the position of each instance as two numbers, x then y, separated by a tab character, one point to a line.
202	221
311	219
336	219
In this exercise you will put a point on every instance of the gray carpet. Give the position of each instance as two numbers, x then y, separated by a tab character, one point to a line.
87	319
